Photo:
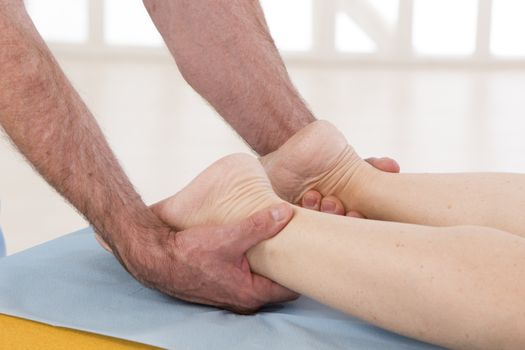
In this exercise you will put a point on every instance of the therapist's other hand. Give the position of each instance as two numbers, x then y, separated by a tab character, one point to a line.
314	200
208	264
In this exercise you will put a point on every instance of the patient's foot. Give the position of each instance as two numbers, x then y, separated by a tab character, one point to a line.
318	158
228	191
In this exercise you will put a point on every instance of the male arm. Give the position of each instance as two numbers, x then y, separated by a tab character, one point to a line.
48	122
224	50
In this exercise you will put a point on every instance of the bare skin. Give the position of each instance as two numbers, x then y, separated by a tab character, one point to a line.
460	287
451	199
48	122
319	158
330	204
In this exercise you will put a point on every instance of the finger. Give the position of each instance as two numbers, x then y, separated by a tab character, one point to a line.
332	205
384	164
355	214
311	200
261	226
270	292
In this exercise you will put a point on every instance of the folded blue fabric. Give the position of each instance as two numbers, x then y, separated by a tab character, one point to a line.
72	282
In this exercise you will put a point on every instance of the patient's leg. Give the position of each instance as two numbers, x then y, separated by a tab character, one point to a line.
460	287
485	199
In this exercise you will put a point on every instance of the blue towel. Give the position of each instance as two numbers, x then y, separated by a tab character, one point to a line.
72	282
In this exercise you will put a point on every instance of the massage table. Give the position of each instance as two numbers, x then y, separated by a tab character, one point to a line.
69	293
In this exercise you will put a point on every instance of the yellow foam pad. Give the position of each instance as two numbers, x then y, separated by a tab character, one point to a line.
17	334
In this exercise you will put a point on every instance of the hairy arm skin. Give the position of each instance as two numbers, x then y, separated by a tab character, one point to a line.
225	52
48	122
53	128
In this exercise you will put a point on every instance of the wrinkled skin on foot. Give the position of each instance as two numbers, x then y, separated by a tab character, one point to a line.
229	191
317	165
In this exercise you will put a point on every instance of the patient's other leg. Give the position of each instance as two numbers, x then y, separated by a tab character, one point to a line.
486	199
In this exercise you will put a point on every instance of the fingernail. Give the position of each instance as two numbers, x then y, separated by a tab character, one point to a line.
309	201
278	213
328	207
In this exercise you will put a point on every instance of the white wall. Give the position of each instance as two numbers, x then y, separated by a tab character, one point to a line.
408	31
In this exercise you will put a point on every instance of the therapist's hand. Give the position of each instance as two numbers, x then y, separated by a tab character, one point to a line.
208	265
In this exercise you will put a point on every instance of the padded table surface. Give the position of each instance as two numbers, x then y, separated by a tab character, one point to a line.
72	282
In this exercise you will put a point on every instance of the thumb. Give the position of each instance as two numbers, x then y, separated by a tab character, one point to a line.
263	225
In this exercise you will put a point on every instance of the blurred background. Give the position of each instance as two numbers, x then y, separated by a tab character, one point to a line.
438	85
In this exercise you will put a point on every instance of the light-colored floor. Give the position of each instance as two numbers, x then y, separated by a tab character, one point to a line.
164	134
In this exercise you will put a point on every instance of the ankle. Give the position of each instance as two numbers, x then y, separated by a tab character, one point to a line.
351	180
344	177
366	181
247	201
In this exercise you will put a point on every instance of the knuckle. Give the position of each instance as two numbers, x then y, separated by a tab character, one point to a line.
187	249
226	231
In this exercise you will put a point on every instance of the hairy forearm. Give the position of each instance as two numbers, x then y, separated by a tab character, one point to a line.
488	199
48	122
224	50
430	283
